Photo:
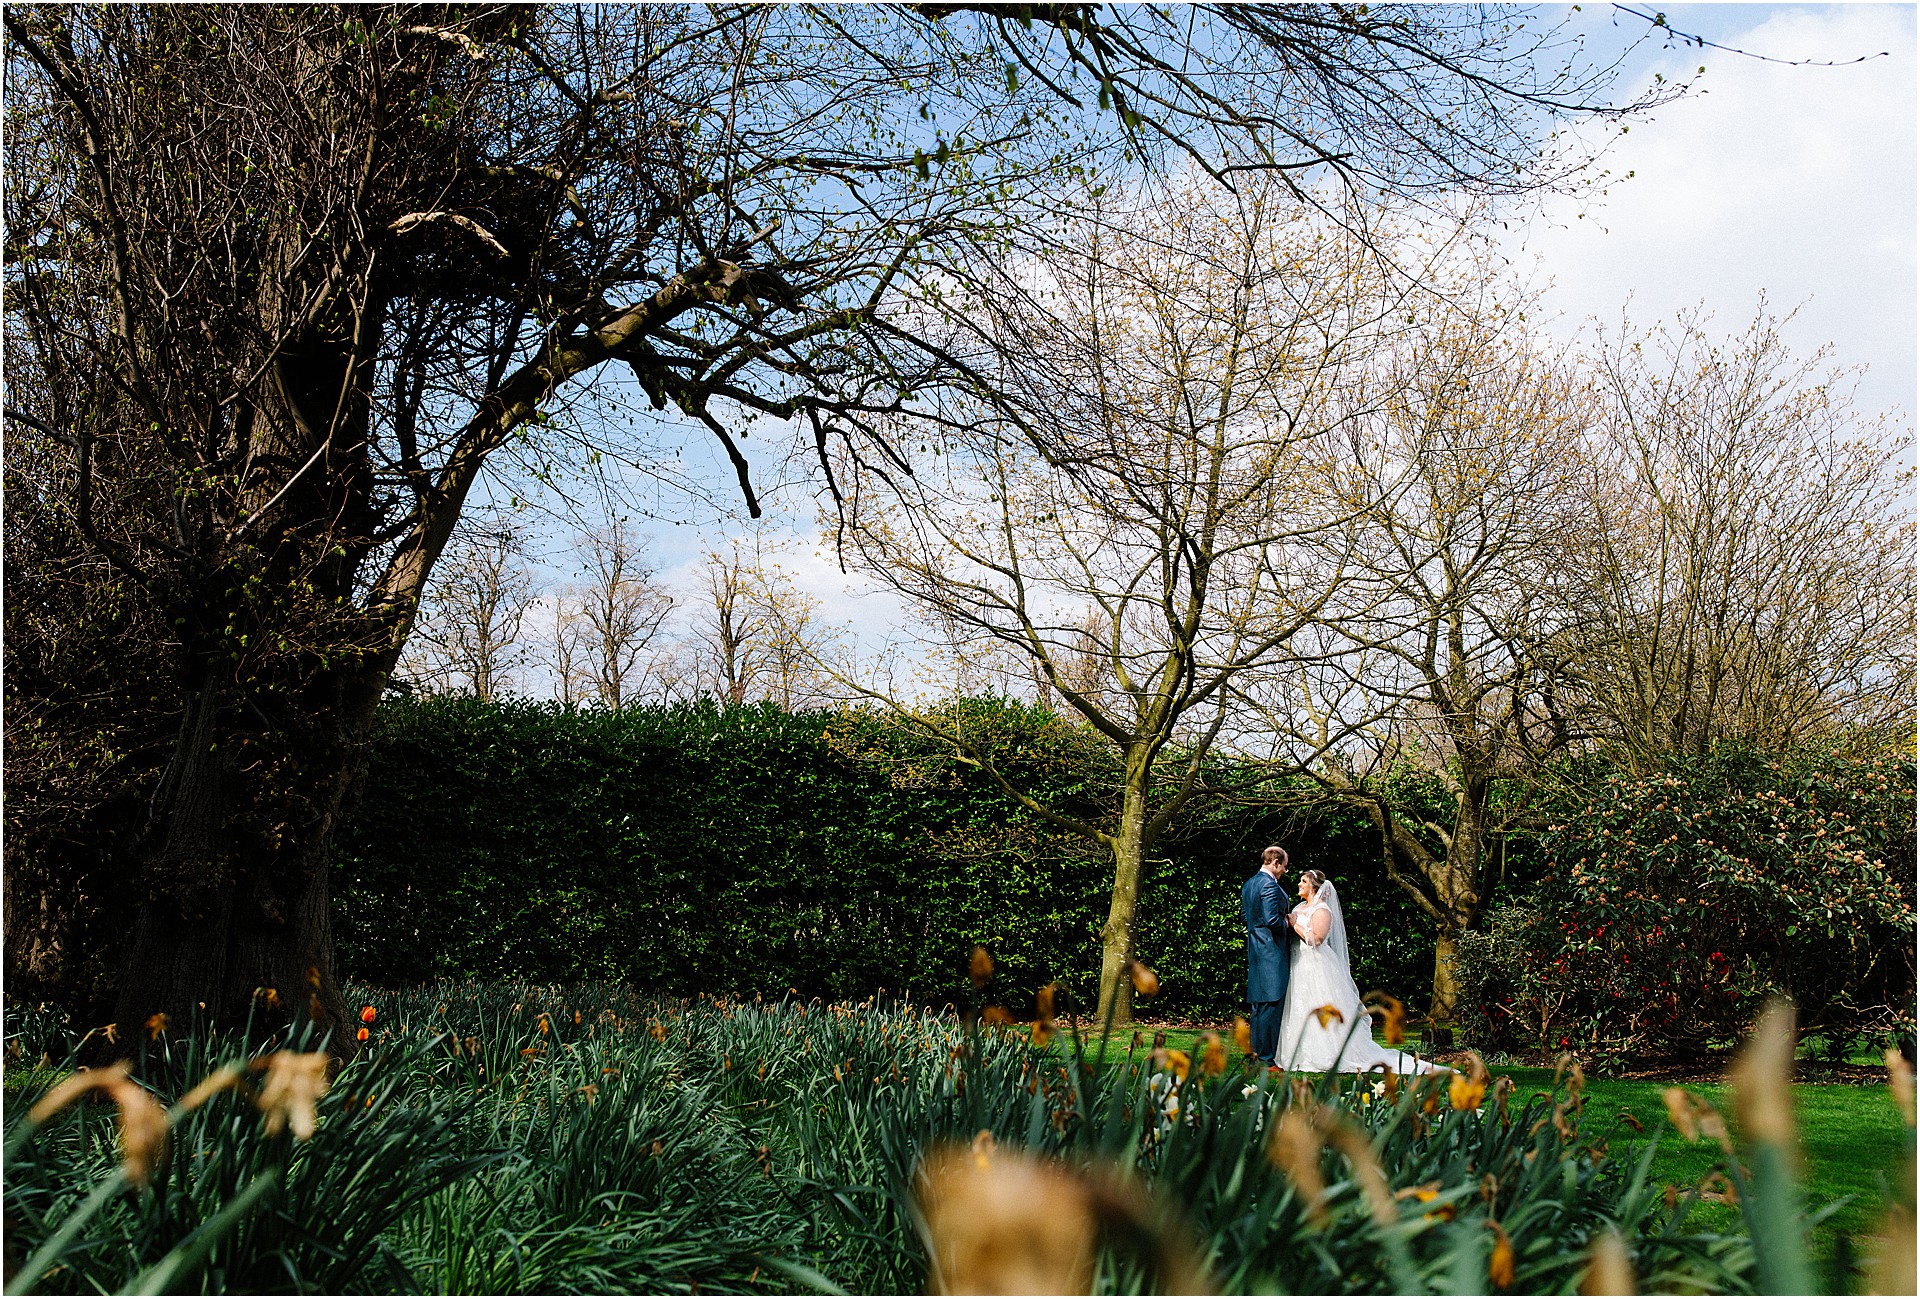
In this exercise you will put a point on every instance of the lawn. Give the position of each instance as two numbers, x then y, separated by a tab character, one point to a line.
1852	1138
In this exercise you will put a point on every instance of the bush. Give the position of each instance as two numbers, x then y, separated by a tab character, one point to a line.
753	850
1675	902
1502	1003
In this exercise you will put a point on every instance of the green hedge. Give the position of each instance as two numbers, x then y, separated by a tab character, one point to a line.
748	850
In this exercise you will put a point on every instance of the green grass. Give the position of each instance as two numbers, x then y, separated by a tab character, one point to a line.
1851	1137
28	1079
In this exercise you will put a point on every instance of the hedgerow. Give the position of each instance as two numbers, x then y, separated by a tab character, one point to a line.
701	849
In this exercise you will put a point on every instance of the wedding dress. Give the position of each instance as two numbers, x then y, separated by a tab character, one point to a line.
1319	975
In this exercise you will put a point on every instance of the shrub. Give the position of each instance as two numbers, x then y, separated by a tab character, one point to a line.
753	850
1504	1005
1674	902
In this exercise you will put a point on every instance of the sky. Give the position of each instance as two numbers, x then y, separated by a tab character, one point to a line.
1793	181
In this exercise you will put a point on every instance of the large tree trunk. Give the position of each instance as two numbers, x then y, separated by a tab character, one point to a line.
1457	886
1444	995
237	880
235	901
1448	886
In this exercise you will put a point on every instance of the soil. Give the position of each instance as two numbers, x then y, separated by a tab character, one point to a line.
1804	1071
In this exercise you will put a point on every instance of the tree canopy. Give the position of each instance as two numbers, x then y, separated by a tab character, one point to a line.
283	281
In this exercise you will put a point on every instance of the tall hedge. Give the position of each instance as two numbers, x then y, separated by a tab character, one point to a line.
753	850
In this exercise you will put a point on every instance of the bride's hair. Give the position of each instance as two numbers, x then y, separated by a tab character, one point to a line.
1315	878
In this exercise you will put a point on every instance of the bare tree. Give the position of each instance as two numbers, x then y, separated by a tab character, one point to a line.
1450	635
1183	370
1078	665
1749	572
468	633
797	641
728	631
755	635
565	651
619	610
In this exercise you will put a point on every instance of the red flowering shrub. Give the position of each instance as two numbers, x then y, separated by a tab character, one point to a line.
1673	903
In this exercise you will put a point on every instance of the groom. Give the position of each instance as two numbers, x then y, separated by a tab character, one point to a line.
1263	908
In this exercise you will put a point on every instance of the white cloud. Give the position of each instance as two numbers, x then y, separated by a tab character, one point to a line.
1799	181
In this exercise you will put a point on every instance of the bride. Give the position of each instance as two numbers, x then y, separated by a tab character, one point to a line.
1320	978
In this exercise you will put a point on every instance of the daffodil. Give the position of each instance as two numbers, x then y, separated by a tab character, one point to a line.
295	1081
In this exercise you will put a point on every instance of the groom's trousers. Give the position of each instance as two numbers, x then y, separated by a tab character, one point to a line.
1264	1028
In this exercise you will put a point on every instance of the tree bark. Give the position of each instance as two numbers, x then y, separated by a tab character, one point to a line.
1446	987
1459	888
238	897
1116	936
1447	886
235	901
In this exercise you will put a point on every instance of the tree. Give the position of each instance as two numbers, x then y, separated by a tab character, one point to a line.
616	613
564	652
283	280
1748	574
1450	634
728	629
331	291
1184	369
468	633
798	641
754	634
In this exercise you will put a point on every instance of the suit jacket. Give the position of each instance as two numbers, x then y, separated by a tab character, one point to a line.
1263	910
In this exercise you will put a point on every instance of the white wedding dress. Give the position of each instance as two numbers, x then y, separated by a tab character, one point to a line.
1320	975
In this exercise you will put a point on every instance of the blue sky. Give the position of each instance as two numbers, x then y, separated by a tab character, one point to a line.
1795	181
1798	181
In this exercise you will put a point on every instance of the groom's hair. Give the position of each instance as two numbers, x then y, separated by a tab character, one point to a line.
1274	852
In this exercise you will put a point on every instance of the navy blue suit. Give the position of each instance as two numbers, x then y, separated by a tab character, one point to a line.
1263	909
